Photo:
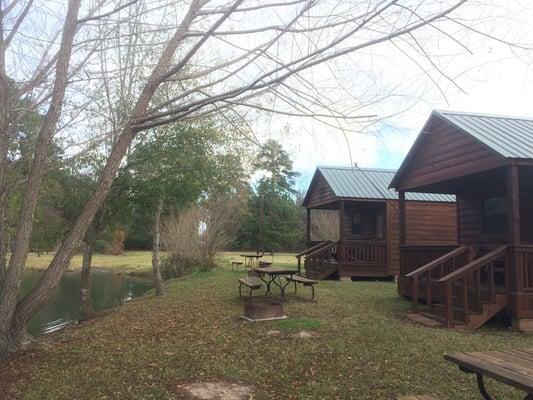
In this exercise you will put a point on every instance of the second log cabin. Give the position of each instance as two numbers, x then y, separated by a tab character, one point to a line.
359	233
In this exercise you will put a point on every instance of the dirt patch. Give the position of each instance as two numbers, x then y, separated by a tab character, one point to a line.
218	391
304	335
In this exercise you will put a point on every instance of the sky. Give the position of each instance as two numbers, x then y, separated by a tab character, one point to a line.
507	89
491	78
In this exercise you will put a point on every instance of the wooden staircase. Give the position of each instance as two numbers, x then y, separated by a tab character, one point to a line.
320	261
458	291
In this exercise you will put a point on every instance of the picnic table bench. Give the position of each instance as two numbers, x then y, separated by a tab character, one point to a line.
303	281
252	283
236	264
511	367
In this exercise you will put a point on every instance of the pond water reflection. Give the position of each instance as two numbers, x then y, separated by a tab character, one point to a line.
108	289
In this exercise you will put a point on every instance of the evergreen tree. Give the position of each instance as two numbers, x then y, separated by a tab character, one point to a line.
273	221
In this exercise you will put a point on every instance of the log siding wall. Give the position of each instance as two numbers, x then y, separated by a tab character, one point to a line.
427	223
445	153
321	193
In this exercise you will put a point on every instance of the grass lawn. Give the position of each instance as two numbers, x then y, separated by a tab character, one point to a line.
140	262
363	348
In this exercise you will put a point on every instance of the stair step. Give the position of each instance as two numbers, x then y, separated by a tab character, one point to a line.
475	319
425	320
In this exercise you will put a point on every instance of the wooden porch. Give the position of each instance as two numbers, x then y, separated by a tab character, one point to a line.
345	258
466	286
490	270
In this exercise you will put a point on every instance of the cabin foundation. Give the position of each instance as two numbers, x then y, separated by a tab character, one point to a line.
523	325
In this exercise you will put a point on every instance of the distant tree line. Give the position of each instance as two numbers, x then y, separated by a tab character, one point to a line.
269	216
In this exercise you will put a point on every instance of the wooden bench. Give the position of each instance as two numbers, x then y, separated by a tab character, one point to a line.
236	264
263	264
251	283
303	281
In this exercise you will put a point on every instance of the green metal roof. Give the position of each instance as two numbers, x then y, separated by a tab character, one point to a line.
511	137
370	183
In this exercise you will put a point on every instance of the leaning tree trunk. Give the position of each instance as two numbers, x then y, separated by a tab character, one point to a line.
156	250
87	309
12	326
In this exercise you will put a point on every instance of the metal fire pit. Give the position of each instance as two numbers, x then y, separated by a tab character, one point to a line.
263	311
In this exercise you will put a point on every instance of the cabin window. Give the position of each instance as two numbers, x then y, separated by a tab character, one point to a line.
495	216
357	226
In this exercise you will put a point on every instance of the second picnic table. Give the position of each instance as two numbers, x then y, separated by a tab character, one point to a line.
512	367
273	276
251	260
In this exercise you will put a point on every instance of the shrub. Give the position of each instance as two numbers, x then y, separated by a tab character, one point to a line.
194	236
175	266
116	248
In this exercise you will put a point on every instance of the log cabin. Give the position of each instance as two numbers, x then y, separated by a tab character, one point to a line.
486	161
366	239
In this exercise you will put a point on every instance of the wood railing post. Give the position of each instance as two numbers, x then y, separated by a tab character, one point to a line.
492	295
401	211
448	305
429	296
414	295
465	299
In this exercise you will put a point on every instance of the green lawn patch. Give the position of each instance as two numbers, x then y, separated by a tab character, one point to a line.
297	324
149	348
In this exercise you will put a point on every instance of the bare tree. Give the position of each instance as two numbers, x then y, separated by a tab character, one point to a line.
205	58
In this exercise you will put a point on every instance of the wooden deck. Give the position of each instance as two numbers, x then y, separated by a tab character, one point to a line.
347	258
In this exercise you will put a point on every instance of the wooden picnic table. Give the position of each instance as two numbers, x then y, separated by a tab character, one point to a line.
512	367
272	275
251	260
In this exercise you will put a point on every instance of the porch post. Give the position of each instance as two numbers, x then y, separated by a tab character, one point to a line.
308	228
341	219
513	215
514	204
341	230
401	211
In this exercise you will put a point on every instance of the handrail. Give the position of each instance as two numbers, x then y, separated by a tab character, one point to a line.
464	284
317	251
436	262
481	261
313	248
369	241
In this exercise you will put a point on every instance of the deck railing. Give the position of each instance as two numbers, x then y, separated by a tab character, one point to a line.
524	267
308	251
462	288
372	252
323	256
414	257
433	271
346	252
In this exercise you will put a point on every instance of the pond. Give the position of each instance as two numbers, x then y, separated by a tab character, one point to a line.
108	289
